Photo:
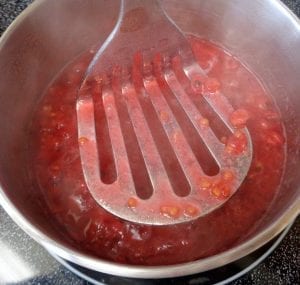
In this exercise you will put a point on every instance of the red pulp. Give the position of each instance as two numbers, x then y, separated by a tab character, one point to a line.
56	164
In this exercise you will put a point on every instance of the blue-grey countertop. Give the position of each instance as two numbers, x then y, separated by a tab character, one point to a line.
23	261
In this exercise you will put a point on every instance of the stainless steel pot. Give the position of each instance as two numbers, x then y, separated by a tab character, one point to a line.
264	34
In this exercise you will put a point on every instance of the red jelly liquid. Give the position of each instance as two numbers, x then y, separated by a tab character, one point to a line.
56	166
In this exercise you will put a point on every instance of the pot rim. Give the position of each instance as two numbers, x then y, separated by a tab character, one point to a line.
139	271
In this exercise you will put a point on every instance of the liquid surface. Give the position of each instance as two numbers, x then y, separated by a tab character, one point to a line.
56	166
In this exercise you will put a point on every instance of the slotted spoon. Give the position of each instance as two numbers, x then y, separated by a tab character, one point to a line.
144	27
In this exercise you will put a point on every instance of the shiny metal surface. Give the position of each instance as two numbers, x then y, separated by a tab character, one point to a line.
118	51
23	261
24	51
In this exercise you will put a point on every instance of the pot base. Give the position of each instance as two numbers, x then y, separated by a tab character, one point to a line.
220	276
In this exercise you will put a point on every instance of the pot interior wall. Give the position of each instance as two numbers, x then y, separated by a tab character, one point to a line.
267	39
41	44
255	31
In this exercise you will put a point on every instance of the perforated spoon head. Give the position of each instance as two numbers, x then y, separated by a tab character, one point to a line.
133	94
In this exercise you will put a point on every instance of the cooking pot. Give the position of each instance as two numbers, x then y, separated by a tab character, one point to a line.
48	34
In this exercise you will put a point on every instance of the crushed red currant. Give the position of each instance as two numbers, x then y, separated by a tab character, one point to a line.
54	153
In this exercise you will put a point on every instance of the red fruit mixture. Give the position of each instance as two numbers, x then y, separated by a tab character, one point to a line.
56	166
